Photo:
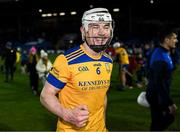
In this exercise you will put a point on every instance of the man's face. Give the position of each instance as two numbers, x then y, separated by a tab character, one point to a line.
172	40
98	33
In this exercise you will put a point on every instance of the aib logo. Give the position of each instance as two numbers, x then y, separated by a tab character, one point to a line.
83	68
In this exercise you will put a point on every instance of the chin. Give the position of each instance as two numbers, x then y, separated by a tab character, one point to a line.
99	44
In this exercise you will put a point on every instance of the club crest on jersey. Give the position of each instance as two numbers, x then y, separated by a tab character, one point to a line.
83	68
107	65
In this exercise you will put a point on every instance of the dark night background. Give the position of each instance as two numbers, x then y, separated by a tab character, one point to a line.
136	18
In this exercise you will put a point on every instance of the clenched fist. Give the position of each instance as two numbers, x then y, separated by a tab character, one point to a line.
77	116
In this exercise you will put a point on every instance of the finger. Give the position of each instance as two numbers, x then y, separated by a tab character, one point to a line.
83	124
82	119
83	107
84	113
83	110
80	126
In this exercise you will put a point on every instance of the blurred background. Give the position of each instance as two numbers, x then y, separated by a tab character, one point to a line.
58	21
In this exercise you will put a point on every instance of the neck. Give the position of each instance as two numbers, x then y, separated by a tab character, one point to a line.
90	51
165	46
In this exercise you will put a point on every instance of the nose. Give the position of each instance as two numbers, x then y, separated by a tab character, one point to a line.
101	31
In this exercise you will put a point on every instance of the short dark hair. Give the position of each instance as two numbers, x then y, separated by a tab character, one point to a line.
165	32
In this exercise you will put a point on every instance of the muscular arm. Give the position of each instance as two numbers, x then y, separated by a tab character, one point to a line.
77	116
50	101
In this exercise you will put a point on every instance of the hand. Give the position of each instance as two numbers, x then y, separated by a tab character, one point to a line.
172	109
77	116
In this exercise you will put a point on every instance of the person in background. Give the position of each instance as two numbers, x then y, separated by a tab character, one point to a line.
43	66
132	67
162	107
9	58
18	55
123	62
140	72
81	77
24	61
31	68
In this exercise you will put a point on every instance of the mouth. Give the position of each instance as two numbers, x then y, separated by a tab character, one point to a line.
100	40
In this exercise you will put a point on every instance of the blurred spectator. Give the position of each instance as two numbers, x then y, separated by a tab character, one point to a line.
9	58
110	50
18	55
140	73
148	50
31	67
43	66
24	61
131	68
124	63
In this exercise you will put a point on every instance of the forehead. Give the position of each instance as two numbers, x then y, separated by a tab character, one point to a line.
99	23
173	35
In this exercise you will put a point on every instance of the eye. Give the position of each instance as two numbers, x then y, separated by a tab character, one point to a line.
95	26
106	27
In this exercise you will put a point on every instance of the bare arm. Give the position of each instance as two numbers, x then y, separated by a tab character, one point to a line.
105	106
77	116
50	101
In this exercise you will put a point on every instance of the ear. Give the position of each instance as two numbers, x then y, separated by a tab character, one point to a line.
166	40
82	32
81	29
